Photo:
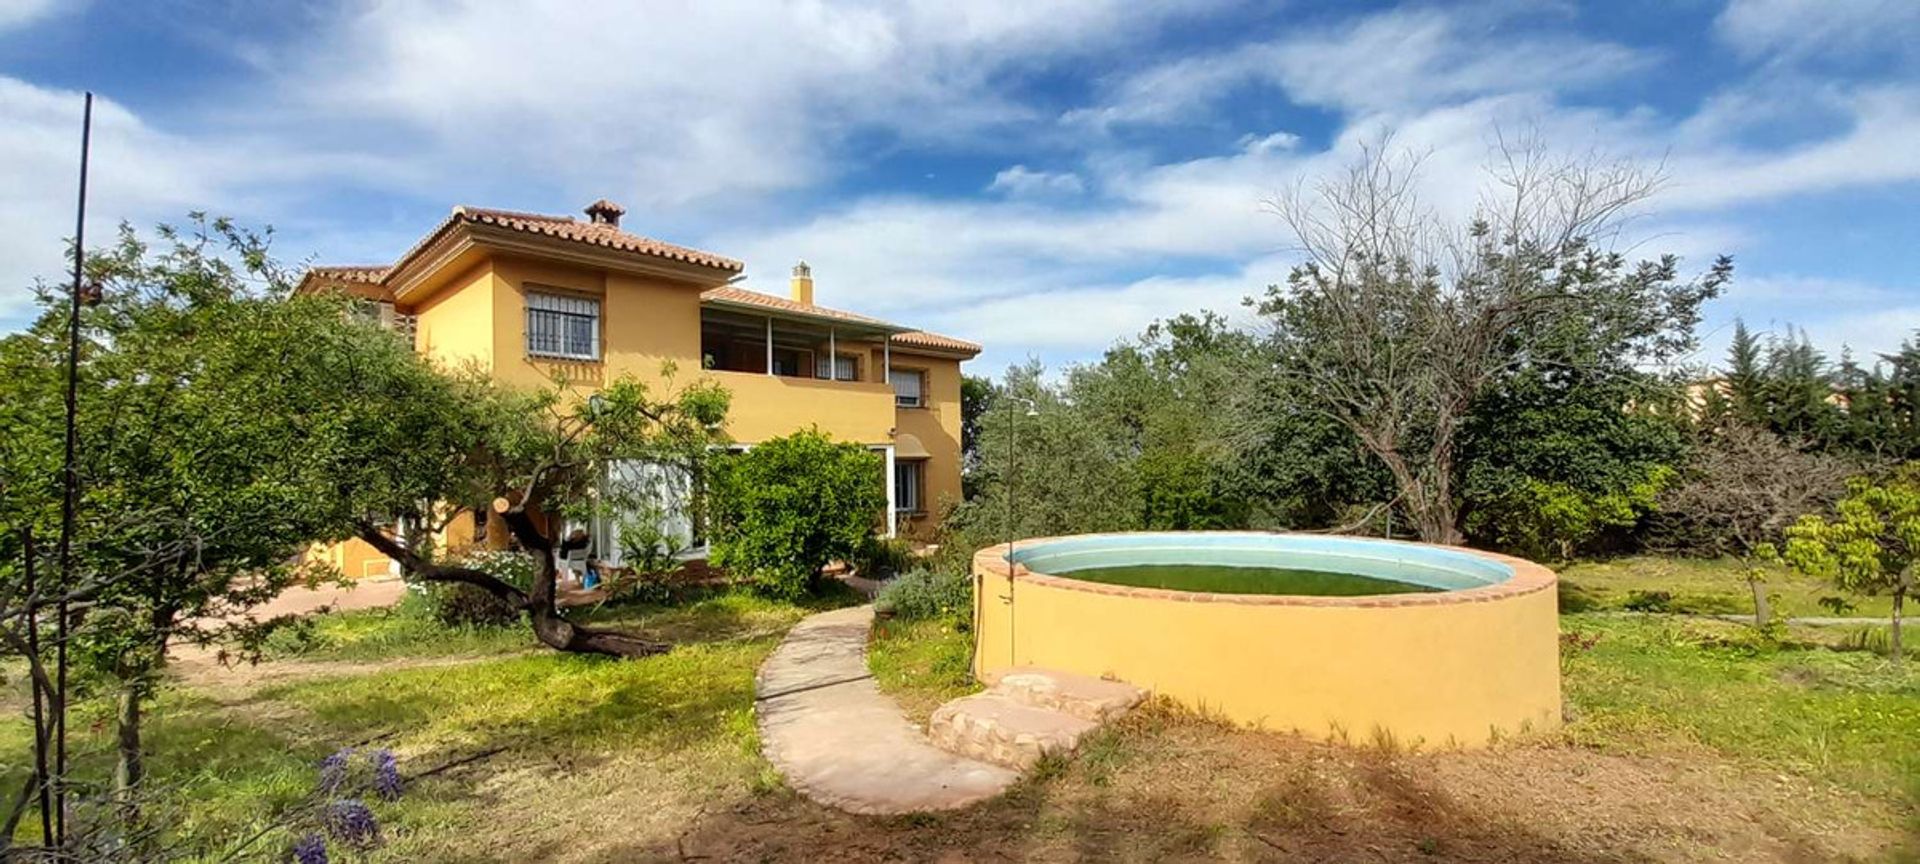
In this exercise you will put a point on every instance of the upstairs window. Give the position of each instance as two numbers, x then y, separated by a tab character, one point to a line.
846	367
563	325
907	384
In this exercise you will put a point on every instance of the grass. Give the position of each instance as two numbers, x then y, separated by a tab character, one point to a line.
922	664
1849	718
232	760
1701	586
1685	738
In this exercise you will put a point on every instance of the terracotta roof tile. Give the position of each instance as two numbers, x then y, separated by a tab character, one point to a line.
369	274
731	294
594	233
923	339
908	338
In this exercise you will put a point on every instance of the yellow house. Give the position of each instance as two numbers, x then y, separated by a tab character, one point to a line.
527	297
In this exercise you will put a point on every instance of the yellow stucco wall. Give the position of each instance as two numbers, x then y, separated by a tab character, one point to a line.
478	316
354	558
938	427
456	322
1455	668
769	406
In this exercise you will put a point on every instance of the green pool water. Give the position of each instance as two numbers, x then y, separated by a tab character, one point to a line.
1215	579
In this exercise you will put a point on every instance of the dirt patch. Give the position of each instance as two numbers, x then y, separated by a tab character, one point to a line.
1162	788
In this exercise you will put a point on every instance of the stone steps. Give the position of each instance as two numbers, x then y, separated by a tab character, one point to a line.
1094	699
1027	715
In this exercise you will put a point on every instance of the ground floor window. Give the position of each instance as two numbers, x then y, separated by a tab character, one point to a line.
907	476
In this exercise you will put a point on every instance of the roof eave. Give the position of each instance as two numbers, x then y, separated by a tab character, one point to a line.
760	311
458	235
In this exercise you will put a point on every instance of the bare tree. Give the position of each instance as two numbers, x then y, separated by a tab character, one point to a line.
1743	488
1400	317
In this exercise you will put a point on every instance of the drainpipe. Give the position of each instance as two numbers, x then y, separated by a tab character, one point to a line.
892	496
769	344
833	356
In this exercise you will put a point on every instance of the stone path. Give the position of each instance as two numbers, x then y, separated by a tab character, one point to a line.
839	741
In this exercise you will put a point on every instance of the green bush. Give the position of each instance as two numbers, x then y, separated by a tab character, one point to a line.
1648	601
785	509
922	594
881	558
459	605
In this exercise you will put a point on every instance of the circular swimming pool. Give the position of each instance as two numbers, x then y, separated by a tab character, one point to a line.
1350	638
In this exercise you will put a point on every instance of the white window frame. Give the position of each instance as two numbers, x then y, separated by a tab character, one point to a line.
901	400
570	309
846	367
910	476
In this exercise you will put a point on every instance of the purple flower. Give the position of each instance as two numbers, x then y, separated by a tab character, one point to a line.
312	849
386	775
350	821
333	770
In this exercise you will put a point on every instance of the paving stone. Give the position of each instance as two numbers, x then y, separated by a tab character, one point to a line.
993	727
1094	699
836	739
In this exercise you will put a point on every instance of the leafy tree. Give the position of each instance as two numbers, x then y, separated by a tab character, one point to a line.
1558	453
1870	545
1740	491
790	506
422	444
976	396
199	484
1400	321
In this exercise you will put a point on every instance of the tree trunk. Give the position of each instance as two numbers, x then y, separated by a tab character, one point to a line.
549	625
1899	598
1761	613
130	768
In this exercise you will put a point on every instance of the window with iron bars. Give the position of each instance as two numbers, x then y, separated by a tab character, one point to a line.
564	326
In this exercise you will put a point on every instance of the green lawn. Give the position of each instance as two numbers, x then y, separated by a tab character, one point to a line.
1849	718
922	663
612	761
235	759
1701	585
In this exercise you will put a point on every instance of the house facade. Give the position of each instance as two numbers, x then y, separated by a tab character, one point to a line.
529	297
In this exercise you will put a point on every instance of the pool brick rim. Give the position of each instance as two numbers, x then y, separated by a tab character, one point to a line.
1527	577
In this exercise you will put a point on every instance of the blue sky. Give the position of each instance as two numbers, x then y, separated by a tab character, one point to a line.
1041	177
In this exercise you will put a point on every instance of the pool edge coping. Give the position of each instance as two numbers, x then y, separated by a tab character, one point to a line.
1528	577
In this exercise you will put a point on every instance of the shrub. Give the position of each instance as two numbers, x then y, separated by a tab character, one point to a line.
457	605
920	594
1648	601
880	558
786	508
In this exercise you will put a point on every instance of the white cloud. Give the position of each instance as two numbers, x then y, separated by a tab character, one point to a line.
675	104
1020	181
15	14
137	173
1797	29
1392	61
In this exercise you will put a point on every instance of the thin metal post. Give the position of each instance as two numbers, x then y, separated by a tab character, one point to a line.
40	694
833	357
769	344
69	480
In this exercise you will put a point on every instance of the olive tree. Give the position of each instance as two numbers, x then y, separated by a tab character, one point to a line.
1400	318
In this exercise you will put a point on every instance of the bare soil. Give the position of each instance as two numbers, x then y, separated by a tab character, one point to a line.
1162	787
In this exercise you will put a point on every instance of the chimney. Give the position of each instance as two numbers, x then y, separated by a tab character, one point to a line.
803	283
604	212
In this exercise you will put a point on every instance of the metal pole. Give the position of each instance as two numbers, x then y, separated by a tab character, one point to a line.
69	479
769	344
40	694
